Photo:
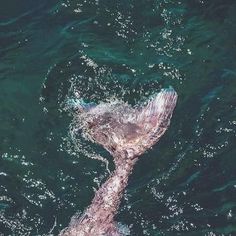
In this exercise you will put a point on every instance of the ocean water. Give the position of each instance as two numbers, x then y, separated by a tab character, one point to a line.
99	50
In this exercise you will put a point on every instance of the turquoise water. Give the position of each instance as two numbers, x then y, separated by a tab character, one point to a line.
100	49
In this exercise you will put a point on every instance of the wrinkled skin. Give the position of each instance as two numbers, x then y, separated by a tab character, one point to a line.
126	132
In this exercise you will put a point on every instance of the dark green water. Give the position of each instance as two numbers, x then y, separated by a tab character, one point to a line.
185	185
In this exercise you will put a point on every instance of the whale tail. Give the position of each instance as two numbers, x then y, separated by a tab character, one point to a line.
129	131
126	132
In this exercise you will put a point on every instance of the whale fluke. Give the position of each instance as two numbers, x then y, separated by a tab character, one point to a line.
129	131
125	132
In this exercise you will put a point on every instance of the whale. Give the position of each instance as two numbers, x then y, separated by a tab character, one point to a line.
126	132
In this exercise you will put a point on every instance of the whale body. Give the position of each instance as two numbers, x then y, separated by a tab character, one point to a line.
126	132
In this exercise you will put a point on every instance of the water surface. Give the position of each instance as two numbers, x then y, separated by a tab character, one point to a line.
100	49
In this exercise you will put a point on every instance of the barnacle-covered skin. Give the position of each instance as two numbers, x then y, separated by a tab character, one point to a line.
126	132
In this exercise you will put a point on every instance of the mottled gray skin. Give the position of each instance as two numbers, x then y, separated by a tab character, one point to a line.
126	132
